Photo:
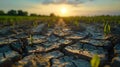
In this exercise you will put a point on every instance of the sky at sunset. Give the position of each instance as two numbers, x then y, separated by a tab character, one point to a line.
64	7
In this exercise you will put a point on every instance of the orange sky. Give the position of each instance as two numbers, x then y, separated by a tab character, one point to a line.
73	7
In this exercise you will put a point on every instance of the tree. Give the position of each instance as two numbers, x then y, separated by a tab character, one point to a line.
22	13
12	13
25	13
33	14
2	12
52	14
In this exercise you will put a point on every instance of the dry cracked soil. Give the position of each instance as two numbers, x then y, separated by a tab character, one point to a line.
59	46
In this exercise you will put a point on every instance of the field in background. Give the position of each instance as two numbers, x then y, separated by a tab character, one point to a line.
92	19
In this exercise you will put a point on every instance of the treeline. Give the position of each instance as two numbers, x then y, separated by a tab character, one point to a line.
20	13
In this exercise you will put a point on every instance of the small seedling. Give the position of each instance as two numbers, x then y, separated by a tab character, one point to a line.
31	40
35	24
95	61
48	25
107	28
12	23
76	23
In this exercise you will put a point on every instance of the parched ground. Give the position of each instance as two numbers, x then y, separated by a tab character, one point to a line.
62	45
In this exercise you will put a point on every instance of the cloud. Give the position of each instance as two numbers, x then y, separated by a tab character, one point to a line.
72	2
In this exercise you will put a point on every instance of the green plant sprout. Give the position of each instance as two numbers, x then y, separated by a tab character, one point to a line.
35	24
48	25
12	22
118	22
76	23
107	28
31	40
95	61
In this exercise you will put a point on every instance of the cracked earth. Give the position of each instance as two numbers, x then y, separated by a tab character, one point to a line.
61	45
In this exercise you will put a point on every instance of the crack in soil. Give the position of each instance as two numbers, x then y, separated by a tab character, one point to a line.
24	53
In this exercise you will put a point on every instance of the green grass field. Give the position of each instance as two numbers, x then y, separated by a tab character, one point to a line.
89	19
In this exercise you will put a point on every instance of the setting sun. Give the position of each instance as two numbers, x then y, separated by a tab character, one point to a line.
63	10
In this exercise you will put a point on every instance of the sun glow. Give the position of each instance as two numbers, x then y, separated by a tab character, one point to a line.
63	10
